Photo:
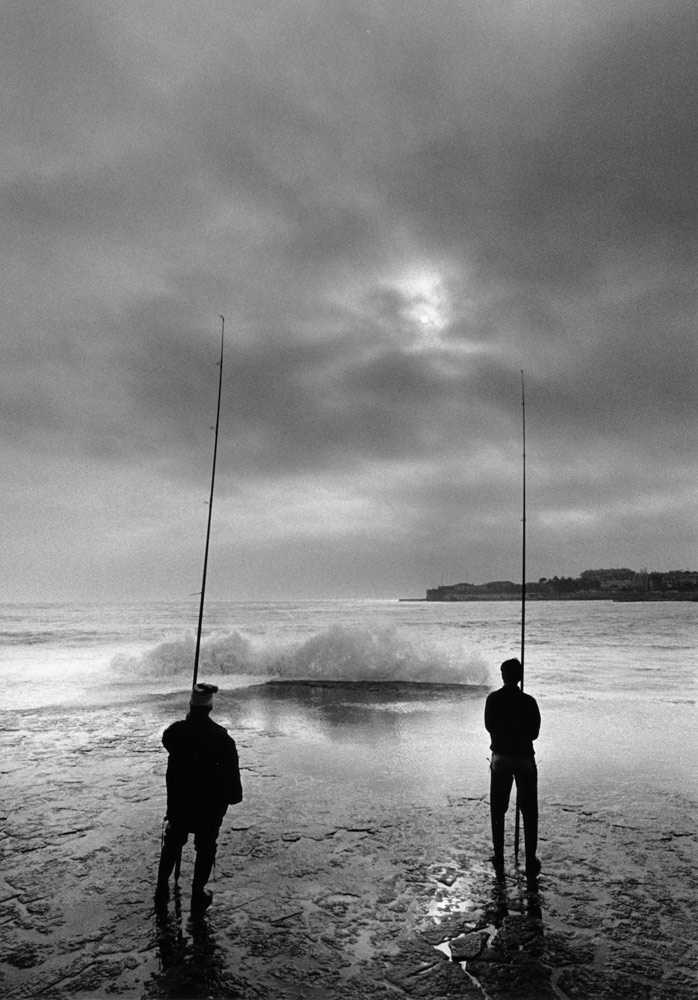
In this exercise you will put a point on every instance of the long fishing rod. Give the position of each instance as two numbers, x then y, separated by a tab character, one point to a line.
523	521
517	825
210	507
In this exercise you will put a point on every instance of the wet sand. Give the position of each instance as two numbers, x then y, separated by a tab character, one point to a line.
333	879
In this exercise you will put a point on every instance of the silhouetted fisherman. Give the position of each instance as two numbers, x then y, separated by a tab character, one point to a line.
203	779
512	719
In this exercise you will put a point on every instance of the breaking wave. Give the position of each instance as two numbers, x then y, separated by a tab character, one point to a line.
338	653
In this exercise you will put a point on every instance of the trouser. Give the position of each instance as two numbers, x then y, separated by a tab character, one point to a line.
504	770
205	842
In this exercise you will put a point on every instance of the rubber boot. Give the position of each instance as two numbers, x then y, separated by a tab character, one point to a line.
498	842
530	825
201	897
168	859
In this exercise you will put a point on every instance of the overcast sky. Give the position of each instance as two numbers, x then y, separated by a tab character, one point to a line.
398	206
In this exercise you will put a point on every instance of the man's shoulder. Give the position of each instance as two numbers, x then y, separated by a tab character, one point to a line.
220	732
510	695
497	694
530	703
176	727
495	703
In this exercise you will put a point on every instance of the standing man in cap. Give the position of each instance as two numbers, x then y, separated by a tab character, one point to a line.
203	779
512	719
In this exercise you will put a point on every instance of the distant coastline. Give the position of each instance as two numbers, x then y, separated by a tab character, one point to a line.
592	585
598	596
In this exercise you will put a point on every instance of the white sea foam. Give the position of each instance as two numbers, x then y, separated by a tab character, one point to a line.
337	653
581	654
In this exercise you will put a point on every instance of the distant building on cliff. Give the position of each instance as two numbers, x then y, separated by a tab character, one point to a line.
496	590
599	584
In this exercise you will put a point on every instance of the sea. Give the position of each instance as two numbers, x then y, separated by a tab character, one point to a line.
615	682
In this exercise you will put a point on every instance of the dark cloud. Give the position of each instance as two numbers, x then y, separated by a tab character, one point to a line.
59	81
540	180
398	209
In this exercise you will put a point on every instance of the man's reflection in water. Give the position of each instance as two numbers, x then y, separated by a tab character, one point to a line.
191	963
528	898
517	914
514	958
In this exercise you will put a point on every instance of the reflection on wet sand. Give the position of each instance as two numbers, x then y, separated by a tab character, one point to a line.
343	870
335	708
192	965
401	738
501	941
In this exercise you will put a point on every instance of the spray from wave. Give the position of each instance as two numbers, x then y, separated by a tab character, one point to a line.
338	653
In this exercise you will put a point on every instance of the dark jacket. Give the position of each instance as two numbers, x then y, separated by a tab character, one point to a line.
512	720
203	774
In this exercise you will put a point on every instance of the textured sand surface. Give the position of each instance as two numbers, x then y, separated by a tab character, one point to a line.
326	886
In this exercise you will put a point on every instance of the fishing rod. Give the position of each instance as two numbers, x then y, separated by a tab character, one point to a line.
210	506
523	521
517	825
178	859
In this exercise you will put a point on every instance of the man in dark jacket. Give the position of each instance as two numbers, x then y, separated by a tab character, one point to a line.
512	719
203	779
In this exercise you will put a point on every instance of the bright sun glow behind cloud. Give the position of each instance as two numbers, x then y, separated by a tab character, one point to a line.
428	306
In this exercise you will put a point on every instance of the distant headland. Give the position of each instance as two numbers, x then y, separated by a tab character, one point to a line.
591	585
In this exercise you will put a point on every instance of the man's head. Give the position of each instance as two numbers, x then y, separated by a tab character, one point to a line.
512	671
201	701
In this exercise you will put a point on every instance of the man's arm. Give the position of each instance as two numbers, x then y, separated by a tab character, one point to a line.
168	737
231	765
488	713
534	721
